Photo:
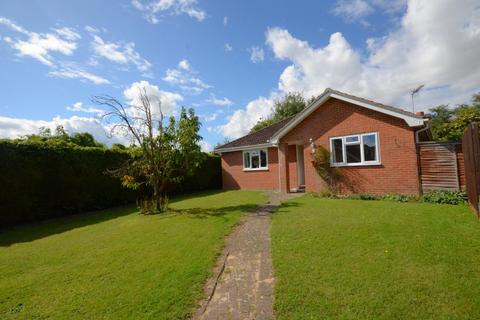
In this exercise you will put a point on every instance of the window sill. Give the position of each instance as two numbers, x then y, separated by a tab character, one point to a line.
259	169
356	164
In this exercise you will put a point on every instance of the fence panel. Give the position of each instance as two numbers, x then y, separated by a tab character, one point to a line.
439	169
471	154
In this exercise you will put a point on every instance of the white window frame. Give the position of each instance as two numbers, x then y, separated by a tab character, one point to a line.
260	168
362	156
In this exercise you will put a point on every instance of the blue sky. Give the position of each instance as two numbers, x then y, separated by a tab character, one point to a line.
228	59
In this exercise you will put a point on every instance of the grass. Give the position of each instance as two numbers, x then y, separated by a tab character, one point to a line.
117	264
351	259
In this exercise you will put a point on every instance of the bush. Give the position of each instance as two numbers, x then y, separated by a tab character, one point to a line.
445	197
207	176
41	180
367	196
400	198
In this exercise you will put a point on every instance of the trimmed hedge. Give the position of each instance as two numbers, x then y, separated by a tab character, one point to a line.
40	181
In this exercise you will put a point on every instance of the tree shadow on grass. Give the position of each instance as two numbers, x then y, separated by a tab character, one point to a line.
38	230
35	231
289	204
204	213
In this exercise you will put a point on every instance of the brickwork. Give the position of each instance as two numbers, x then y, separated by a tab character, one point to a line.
398	171
234	177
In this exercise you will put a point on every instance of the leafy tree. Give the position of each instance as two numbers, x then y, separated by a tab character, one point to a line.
85	139
61	133
61	136
440	115
283	108
448	124
118	146
166	150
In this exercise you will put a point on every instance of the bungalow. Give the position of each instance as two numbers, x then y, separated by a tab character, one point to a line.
375	145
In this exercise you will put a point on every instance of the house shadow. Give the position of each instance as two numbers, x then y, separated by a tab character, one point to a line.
37	230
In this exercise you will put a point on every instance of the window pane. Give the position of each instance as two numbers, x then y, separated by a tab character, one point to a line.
246	161
337	150
353	153
255	162
263	159
369	147
351	139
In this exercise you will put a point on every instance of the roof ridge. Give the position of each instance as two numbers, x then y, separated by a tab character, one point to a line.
259	131
372	101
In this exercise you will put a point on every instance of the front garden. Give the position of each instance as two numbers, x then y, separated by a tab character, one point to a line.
354	259
117	264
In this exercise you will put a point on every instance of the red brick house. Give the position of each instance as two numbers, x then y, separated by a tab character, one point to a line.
375	146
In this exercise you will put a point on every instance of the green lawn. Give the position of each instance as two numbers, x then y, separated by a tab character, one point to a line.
117	264
352	259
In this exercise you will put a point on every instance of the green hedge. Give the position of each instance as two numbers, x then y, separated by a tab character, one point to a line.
40	181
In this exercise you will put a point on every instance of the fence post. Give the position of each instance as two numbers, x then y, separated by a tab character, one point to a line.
471	154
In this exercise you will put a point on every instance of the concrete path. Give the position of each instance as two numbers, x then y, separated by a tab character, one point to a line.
242	285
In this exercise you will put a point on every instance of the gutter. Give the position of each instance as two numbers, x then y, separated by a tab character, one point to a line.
428	126
242	148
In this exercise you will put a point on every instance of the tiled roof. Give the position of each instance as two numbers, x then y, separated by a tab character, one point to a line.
381	105
259	137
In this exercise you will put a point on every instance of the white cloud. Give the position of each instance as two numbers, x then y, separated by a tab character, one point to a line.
15	27
74	72
256	54
444	56
205	146
121	53
91	29
185	78
184	64
422	51
16	127
223	102
68	33
211	116
352	10
40	46
225	20
242	120
78	107
228	47
168	100
152	8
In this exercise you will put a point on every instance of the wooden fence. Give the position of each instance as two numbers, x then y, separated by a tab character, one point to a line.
441	166
471	149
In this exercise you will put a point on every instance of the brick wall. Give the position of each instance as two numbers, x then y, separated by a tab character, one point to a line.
397	173
234	177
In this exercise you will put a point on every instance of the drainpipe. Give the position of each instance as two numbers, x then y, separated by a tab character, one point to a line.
417	140
427	127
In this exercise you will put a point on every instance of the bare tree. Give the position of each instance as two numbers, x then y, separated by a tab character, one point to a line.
164	152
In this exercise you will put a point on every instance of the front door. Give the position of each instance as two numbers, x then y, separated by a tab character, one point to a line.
300	166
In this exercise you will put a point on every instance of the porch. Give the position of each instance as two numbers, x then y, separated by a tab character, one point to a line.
291	159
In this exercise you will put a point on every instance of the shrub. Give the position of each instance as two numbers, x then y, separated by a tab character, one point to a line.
445	197
400	198
367	196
